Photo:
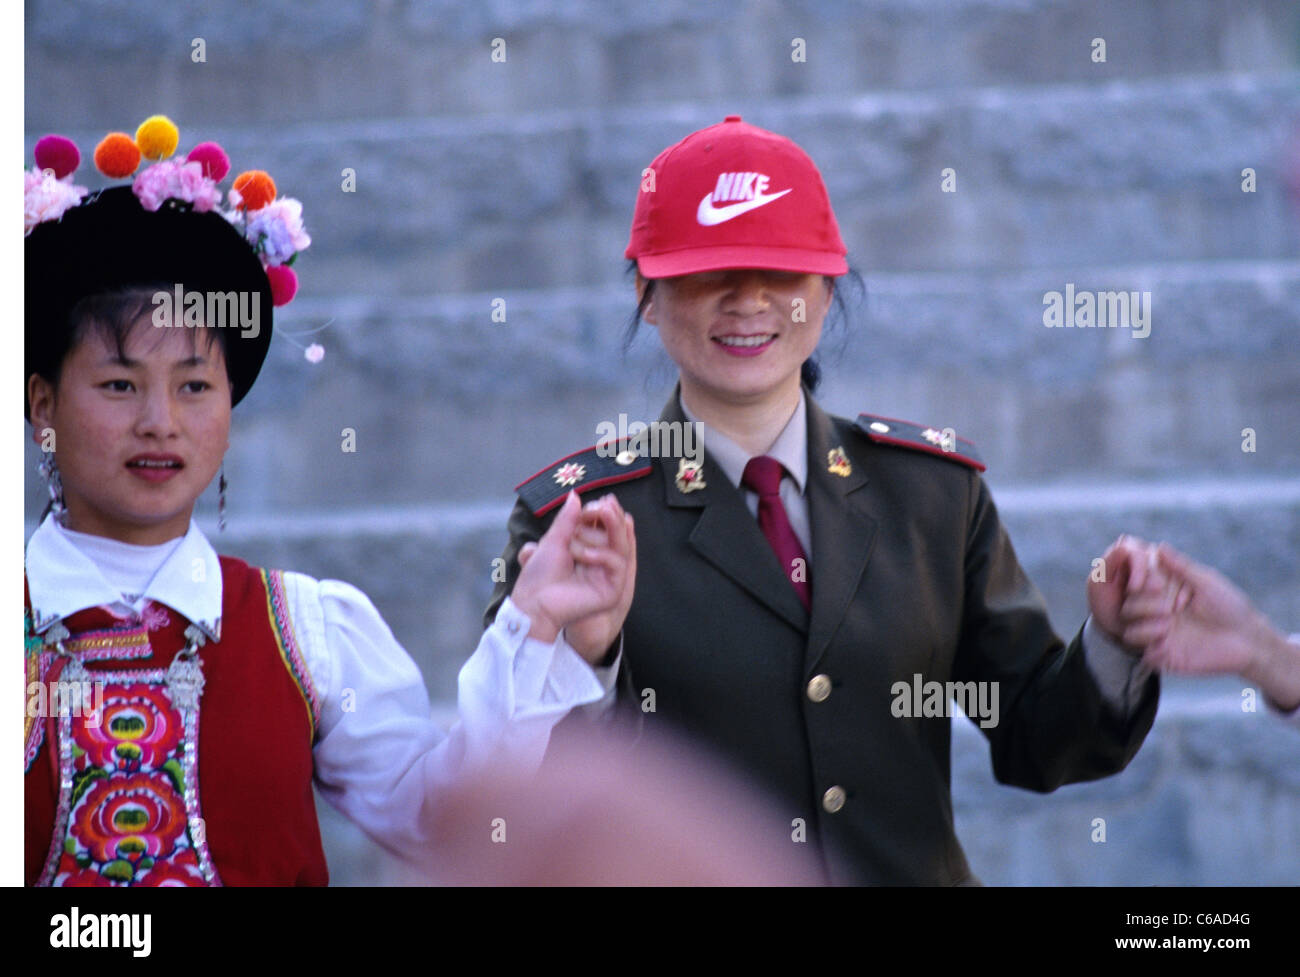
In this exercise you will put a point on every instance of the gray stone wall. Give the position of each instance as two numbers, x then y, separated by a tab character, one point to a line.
479	180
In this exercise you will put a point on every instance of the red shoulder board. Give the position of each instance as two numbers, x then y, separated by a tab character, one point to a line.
603	464
935	441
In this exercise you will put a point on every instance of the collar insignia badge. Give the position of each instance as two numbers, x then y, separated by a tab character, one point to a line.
690	476
837	463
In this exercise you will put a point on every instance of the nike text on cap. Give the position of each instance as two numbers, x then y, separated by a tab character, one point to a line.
734	196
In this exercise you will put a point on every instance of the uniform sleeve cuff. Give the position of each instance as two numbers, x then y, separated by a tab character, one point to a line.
607	676
1120	675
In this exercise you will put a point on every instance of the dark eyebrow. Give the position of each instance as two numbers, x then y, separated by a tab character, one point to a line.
126	361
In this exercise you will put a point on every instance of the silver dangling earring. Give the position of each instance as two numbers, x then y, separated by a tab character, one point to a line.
49	470
221	499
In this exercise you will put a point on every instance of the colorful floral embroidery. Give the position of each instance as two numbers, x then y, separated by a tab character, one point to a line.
135	730
126	818
177	872
72	874
128	797
125	640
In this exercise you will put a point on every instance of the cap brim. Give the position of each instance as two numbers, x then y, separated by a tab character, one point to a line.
695	260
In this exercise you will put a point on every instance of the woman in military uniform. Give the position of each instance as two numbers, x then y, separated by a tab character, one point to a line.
807	583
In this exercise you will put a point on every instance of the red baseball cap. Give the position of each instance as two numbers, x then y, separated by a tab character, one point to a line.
734	196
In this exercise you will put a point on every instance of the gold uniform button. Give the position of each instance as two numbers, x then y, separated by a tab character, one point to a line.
625	457
879	427
819	688
833	799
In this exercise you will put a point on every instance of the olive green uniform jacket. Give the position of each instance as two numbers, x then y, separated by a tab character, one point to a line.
912	575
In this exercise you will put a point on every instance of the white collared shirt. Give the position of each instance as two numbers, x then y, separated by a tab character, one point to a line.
379	754
63	579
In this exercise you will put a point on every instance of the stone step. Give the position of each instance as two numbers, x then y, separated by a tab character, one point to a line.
446	404
1210	799
479	180
1149	430
1137	172
355	59
429	568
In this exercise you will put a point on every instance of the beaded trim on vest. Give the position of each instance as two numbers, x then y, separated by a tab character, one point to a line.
287	642
34	671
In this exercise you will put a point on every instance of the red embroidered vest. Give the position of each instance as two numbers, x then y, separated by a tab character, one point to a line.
121	790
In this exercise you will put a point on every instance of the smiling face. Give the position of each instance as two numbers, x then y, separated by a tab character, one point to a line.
740	336
139	436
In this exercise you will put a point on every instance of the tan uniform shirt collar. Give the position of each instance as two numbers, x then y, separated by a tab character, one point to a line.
790	447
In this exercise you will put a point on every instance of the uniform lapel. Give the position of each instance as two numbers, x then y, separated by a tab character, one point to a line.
843	531
727	535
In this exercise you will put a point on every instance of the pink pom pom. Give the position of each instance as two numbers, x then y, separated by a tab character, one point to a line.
59	154
213	159
284	284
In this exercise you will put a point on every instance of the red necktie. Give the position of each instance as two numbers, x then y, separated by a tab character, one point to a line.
763	475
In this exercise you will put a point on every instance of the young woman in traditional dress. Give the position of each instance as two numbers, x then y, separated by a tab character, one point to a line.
182	704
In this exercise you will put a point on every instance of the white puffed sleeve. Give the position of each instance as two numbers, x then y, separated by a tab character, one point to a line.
379	756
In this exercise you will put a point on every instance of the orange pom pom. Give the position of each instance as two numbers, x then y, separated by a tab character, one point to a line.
256	188
117	155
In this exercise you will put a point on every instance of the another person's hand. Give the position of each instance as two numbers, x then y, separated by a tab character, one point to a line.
580	576
1202	624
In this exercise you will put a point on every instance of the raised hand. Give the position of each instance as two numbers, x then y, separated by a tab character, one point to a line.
580	576
1130	568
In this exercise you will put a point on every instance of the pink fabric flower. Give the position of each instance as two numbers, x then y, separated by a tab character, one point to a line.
45	198
155	616
278	228
176	179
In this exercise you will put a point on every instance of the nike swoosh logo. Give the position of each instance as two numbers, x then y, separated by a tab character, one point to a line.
708	215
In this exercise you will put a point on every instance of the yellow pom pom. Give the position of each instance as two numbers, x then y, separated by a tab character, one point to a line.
157	137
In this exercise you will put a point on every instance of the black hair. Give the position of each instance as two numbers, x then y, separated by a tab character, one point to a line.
811	371
111	315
